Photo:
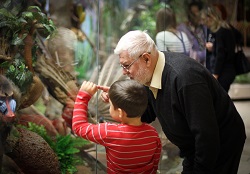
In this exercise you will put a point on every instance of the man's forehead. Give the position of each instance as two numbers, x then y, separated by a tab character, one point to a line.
124	54
123	58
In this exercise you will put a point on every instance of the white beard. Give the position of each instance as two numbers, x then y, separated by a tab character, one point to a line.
142	76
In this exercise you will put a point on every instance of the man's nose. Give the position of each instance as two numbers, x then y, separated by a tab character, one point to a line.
124	71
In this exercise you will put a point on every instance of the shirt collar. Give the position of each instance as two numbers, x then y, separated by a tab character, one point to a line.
157	75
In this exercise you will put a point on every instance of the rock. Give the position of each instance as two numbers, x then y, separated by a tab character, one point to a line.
32	153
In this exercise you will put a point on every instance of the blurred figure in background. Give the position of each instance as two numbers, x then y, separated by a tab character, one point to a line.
210	59
221	10
220	47
168	38
195	31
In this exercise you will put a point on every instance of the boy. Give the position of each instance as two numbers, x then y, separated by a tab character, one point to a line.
131	146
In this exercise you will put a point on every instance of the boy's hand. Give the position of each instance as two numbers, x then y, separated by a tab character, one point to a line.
89	87
104	95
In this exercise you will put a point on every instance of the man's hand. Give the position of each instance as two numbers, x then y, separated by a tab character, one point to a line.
104	95
215	76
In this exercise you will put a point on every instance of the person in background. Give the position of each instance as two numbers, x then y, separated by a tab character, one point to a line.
167	37
195	112
131	146
220	46
210	59
196	32
221	10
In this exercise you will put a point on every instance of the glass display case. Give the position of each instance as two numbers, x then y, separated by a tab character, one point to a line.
71	41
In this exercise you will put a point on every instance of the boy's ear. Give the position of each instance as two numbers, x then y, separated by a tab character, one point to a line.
122	113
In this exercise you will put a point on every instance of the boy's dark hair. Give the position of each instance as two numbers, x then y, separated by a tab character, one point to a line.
130	96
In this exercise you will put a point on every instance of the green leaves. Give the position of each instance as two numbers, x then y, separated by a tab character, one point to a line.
4	13
34	13
30	8
19	74
13	6
24	23
243	78
66	148
18	40
16	23
9	24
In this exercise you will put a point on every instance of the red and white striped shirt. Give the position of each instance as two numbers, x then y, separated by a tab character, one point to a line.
129	149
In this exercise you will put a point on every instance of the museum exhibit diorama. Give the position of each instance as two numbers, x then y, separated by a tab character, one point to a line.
48	48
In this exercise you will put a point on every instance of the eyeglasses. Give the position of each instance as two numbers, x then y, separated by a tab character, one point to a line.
126	67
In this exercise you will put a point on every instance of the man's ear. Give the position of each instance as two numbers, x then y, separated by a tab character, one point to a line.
147	58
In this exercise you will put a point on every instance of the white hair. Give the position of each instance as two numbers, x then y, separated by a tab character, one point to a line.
135	42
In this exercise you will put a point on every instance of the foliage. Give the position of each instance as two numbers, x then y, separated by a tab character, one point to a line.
64	146
18	73
39	105
9	23
147	18
34	15
110	17
16	27
40	130
243	79
84	57
17	22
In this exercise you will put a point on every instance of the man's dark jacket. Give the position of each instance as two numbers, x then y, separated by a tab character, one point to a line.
196	114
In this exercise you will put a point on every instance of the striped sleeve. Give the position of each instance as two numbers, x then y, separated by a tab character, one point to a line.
80	124
157	155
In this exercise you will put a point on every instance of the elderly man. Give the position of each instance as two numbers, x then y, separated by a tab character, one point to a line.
195	112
